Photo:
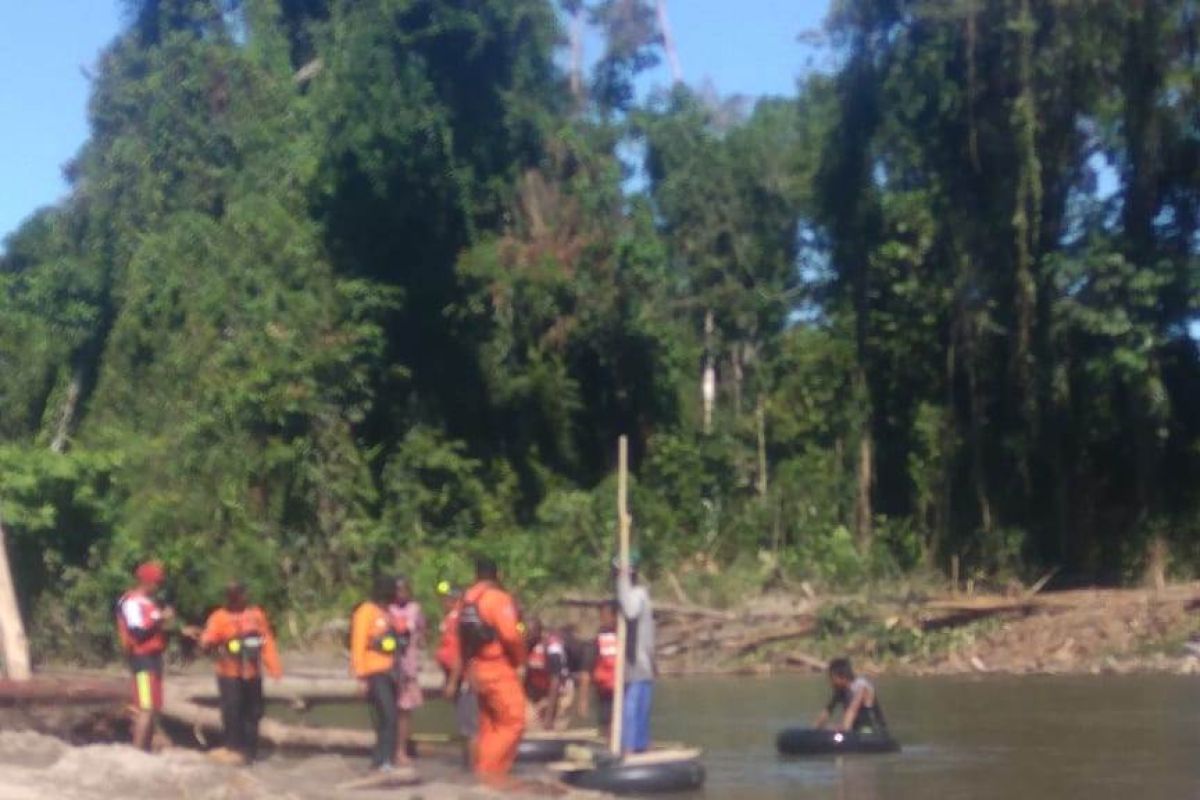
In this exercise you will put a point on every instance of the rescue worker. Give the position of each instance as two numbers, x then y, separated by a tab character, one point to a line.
407	616
449	658
142	626
375	644
240	637
861	710
640	665
604	666
492	650
548	684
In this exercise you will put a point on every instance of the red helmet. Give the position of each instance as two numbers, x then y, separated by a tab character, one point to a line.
151	572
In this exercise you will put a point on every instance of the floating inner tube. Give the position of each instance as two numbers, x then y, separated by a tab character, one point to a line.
618	778
811	742
542	751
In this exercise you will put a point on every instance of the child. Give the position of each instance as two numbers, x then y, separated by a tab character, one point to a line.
857	696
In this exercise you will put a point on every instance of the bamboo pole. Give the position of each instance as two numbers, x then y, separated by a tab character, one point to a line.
623	564
14	645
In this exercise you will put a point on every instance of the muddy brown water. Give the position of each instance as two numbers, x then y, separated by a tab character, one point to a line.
1093	737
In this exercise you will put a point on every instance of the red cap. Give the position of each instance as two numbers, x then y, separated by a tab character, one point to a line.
151	572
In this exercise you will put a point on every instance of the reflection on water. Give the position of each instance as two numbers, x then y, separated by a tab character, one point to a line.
1030	738
1094	737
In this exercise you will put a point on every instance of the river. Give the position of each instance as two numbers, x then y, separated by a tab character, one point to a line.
989	737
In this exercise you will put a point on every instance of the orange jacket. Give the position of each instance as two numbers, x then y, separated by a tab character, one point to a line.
499	658
243	641
370	627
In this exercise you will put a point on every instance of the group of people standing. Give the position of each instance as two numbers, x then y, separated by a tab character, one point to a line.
503	673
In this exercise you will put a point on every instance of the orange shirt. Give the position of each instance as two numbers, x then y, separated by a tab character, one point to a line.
366	626
244	643
501	657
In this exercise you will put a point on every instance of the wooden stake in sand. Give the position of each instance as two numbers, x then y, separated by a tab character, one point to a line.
13	645
614	744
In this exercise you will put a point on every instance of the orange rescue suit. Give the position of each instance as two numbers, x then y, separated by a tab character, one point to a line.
370	626
493	674
244	643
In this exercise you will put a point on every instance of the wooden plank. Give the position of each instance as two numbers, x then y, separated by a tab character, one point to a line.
614	744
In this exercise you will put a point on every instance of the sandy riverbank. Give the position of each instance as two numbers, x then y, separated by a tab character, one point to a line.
34	766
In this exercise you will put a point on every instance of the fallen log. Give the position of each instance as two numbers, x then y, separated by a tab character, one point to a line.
746	645
182	710
63	691
298	690
806	661
660	609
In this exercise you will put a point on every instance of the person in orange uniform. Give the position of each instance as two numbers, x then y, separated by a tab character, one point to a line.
142	627
493	649
240	637
449	658
375	644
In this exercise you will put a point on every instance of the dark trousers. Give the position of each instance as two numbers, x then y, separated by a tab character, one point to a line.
241	710
381	698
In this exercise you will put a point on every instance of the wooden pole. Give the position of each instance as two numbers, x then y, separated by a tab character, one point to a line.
623	564
14	645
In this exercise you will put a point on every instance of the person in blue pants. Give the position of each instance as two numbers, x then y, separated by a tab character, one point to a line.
640	669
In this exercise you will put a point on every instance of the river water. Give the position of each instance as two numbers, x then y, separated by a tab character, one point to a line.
980	738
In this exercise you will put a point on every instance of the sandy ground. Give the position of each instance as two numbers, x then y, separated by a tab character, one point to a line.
38	767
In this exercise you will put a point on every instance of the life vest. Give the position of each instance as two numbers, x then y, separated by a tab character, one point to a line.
392	637
147	611
247	645
604	671
537	666
473	632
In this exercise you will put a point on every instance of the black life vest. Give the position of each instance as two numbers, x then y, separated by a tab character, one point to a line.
473	631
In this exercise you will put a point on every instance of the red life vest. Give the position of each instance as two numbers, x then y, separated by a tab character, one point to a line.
537	667
604	672
148	617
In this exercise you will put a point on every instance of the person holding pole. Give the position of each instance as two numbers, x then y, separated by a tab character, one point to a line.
640	669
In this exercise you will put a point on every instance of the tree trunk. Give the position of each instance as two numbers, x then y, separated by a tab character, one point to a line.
1026	218
577	58
708	379
1158	556
866	479
12	629
760	417
664	27
66	418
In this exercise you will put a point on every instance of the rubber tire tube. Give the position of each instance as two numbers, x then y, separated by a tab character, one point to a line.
814	741
680	776
542	751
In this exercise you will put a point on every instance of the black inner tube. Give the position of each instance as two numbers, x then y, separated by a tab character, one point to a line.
813	741
537	751
618	778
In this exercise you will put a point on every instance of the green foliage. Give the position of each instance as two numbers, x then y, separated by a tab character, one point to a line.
348	287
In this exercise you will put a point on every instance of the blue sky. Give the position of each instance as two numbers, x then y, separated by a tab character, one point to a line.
46	46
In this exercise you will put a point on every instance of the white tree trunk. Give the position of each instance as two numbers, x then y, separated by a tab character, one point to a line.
15	647
664	27
708	380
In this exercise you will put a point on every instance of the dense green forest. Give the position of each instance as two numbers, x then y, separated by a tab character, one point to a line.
345	284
